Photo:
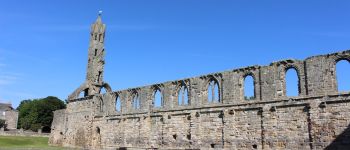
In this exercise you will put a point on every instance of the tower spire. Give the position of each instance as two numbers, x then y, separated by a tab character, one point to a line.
99	20
95	68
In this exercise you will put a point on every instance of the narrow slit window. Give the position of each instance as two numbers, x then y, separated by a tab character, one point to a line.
101	105
118	104
136	101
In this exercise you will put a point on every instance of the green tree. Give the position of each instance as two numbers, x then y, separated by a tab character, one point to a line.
37	113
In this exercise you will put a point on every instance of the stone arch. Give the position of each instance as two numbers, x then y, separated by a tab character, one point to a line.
213	90
157	96
101	104
135	100
182	93
118	103
297	70
83	93
341	84
245	76
83	88
334	59
107	88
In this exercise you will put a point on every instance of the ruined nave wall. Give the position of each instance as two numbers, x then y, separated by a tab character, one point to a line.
317	118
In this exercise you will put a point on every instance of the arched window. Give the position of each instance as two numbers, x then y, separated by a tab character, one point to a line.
182	95
136	101
81	94
292	82
84	93
213	91
103	90
342	75
249	89
118	105
158	98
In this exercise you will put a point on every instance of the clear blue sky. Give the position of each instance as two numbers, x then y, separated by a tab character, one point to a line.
43	44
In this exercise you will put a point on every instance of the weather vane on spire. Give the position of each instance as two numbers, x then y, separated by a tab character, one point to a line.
100	12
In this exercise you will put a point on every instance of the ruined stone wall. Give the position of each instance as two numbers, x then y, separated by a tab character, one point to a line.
11	117
316	119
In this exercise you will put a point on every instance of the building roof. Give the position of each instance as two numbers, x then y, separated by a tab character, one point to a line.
5	106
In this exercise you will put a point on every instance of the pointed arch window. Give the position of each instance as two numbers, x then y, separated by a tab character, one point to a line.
182	95
136	101
157	98
118	104
213	91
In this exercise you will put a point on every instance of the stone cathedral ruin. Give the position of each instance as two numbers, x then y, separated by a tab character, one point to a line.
318	118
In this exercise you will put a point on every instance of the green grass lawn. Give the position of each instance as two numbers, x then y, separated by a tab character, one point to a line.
25	142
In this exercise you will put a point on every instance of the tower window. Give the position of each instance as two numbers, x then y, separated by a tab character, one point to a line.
99	76
95	52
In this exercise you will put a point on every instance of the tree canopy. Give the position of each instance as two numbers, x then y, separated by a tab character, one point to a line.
37	113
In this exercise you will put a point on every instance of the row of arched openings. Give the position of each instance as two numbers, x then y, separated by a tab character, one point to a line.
292	83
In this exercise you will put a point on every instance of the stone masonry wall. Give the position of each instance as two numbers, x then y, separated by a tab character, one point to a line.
316	119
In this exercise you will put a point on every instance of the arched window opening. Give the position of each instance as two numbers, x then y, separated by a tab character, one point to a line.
136	101
118	106
342	75
103	90
213	92
292	82
81	94
182	98
249	89
101	105
84	93
158	98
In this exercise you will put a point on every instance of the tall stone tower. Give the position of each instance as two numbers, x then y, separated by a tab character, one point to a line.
94	75
96	53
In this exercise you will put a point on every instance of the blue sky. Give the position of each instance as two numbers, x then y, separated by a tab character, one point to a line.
43	44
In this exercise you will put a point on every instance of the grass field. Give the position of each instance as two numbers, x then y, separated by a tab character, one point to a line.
25	142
